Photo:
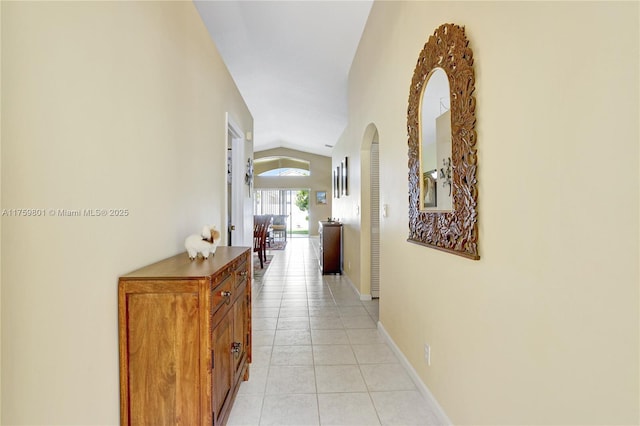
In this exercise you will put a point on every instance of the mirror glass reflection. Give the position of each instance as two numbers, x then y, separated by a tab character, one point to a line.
435	144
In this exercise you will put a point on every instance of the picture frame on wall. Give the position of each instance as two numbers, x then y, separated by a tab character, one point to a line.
333	184
321	197
336	182
345	173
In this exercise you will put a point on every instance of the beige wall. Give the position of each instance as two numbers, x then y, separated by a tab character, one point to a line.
0	216
543	329
347	208
319	179
105	105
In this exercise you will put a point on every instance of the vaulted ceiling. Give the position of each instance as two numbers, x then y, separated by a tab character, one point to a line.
290	61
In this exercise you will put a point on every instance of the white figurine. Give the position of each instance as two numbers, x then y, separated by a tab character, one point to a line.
205	243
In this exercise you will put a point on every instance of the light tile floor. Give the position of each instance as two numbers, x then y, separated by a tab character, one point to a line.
317	356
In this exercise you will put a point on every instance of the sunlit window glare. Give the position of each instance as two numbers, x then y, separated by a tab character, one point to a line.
285	171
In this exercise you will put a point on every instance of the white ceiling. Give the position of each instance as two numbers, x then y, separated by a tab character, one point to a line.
290	61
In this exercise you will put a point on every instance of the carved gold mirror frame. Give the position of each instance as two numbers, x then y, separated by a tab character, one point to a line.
453	231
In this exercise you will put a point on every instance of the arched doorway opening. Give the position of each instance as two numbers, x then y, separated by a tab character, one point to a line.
370	202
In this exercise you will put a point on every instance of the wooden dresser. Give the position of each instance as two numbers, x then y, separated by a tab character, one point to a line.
330	256
185	338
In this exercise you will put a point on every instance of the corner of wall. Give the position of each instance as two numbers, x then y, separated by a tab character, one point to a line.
1	7
362	296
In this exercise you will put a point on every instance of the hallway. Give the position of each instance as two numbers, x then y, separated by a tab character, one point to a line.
317	355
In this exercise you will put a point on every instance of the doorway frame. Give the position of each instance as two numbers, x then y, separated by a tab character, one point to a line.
370	135
235	211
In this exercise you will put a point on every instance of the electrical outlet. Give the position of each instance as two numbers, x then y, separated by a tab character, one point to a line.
349	265
427	354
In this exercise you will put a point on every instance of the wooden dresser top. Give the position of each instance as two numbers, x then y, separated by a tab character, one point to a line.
334	223
180	266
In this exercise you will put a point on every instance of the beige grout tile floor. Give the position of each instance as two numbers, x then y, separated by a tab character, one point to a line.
317	356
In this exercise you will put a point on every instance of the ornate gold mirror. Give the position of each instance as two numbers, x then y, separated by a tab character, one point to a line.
442	156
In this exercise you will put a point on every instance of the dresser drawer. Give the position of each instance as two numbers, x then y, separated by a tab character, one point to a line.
242	273
222	293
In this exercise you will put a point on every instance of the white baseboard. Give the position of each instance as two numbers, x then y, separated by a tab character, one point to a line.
424	390
363	297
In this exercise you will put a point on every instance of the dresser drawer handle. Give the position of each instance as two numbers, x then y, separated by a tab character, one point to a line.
226	294
243	273
235	349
